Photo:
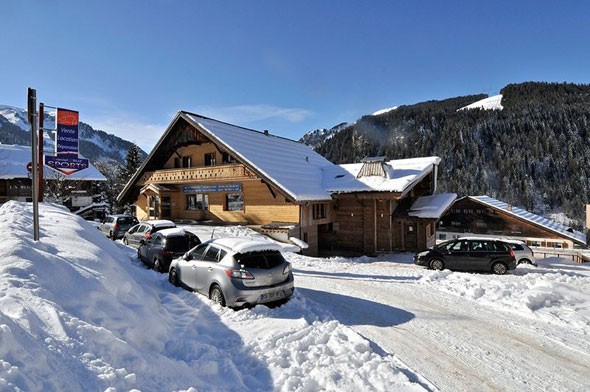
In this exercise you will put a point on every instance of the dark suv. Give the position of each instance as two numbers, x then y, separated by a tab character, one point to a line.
163	246
115	226
469	254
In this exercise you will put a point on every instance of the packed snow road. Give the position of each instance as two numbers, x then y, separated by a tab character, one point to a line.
460	331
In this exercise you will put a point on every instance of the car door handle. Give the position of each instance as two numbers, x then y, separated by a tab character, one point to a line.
210	269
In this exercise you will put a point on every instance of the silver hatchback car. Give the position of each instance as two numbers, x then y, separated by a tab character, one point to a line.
235	272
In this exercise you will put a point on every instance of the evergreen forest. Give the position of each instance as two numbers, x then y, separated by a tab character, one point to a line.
534	153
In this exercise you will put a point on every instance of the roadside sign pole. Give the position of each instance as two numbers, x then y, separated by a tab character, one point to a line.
32	109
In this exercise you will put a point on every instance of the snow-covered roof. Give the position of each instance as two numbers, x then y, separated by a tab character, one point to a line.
548	224
14	160
305	174
400	175
160	223
244	244
432	206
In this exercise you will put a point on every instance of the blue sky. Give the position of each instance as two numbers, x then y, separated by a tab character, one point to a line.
286	66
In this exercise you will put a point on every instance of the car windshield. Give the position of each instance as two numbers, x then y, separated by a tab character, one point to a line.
261	260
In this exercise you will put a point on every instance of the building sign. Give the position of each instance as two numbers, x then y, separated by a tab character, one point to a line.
212	188
66	144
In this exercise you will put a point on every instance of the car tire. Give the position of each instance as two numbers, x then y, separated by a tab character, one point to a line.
216	295
173	277
111	235
139	255
437	265
499	268
157	264
125	241
524	261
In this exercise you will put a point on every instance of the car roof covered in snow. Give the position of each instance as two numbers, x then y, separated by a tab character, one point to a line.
245	244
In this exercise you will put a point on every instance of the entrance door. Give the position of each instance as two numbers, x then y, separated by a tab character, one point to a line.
154	206
383	226
411	236
166	207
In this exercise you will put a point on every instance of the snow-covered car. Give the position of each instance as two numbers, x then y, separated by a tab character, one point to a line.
144	230
235	272
158	251
469	254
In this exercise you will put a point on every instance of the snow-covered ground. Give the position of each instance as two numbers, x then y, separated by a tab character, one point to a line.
80	312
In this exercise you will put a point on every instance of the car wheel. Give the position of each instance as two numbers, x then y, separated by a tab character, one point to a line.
499	268
173	277
125	241
157	264
138	254
437	265
216	295
524	261
111	235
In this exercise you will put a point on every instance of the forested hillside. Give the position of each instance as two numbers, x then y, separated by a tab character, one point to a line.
535	153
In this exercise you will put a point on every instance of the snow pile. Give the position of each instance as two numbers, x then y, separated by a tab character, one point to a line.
553	291
80	312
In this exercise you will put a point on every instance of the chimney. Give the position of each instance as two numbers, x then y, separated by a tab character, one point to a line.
266	132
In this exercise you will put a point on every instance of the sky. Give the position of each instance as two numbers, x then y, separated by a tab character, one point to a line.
287	67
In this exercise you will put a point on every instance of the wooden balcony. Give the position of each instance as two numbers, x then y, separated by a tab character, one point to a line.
233	172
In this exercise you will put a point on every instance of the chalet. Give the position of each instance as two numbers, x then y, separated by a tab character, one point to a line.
15	180
204	169
483	215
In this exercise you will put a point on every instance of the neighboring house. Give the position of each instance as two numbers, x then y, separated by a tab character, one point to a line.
204	169
483	215
15	179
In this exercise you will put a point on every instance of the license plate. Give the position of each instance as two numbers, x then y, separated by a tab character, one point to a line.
274	294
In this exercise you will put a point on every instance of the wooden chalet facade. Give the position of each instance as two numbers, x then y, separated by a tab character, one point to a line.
203	169
483	215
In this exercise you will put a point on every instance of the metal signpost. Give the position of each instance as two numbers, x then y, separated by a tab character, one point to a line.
32	109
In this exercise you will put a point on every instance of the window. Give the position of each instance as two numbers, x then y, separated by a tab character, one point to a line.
234	202
442	236
177	163
227	158
211	254
186	161
319	211
481	224
210	159
197	202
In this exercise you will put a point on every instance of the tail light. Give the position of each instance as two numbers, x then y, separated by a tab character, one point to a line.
239	274
116	227
148	236
512	253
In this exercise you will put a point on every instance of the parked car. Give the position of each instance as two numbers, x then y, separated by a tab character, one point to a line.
235	272
115	226
523	254
469	254
144	230
158	251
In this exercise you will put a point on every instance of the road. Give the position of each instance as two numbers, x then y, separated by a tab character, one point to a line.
447	342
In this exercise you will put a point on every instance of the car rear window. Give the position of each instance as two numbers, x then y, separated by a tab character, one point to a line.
261	260
127	220
178	244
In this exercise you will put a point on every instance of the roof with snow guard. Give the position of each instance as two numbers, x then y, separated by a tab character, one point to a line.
292	167
14	160
525	215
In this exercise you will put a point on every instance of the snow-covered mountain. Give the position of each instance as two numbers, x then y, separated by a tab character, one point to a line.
94	144
316	137
489	103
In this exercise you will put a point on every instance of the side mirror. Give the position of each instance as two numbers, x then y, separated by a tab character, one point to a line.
187	256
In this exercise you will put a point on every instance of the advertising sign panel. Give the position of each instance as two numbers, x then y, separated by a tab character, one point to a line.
66	144
67	133
212	188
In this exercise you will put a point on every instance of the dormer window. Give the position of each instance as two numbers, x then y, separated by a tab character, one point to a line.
210	159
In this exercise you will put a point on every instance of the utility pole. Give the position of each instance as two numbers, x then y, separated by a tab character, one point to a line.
32	111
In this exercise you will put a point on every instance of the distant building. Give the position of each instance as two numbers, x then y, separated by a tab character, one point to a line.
204	169
483	215
15	179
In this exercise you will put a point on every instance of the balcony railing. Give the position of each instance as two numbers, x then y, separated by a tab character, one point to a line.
173	176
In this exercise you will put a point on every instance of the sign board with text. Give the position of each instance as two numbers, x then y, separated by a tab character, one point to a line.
66	144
